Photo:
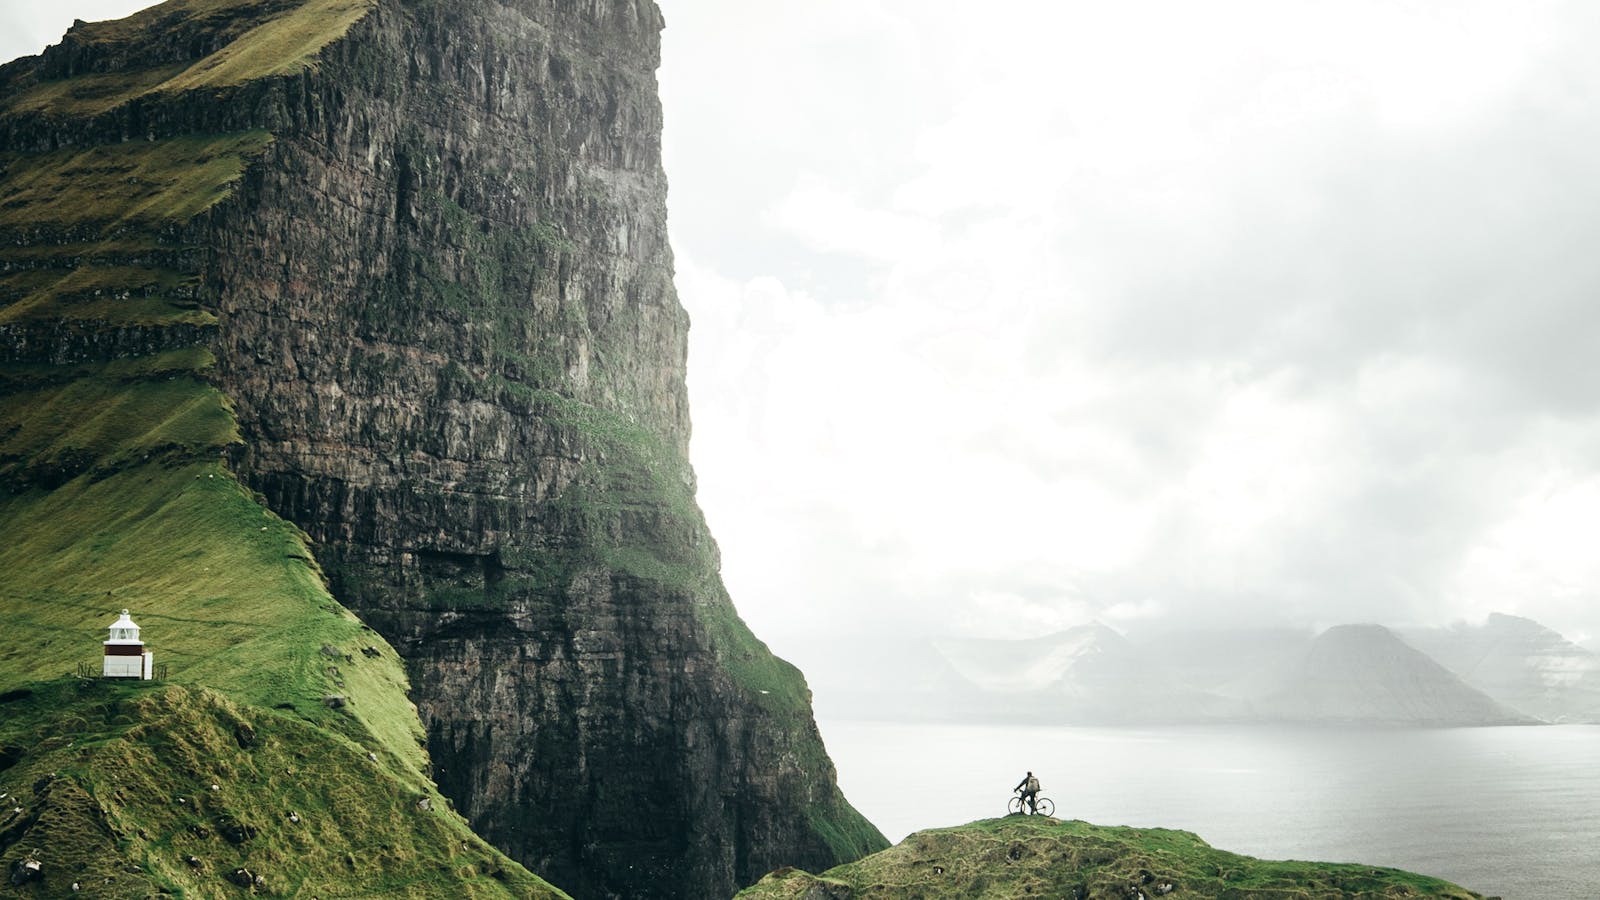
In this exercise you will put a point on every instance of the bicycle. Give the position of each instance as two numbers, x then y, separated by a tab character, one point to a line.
1043	805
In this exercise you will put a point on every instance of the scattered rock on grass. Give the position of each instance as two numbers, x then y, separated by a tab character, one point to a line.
25	871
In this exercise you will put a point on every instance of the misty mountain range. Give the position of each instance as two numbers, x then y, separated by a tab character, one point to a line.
1508	670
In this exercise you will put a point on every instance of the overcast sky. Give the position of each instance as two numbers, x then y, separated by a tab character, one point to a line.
1016	315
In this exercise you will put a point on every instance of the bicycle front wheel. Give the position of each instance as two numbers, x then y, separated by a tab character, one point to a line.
1015	807
1047	807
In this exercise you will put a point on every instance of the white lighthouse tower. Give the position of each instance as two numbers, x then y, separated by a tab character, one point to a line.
125	653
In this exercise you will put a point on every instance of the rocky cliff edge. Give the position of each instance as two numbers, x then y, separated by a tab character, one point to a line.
374	300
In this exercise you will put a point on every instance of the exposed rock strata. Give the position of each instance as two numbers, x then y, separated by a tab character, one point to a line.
445	321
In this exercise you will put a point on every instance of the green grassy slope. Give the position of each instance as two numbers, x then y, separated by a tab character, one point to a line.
1035	856
114	792
90	230
254	39
230	600
112	496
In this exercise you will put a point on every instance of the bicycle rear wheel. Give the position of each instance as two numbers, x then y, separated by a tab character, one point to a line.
1015	806
1047	807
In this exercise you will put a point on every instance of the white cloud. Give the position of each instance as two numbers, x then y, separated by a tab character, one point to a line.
829	221
1539	559
1252	310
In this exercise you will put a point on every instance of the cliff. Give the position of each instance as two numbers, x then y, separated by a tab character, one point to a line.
394	276
1035	856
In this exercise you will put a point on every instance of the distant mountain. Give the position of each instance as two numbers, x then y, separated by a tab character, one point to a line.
1520	663
1367	674
1092	674
1088	674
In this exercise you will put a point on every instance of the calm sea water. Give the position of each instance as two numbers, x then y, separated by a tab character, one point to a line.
1513	812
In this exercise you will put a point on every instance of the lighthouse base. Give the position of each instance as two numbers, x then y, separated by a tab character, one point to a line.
141	666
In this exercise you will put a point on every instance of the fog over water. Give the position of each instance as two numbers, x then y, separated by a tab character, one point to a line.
1475	806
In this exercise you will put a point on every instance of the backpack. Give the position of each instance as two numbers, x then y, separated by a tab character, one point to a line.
1033	784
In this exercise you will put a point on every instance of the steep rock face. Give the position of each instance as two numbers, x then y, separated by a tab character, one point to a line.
458	364
438	301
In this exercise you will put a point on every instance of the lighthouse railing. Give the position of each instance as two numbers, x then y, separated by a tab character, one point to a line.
158	672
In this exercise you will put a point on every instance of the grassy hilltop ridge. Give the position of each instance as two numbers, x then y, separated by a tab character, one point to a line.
1035	856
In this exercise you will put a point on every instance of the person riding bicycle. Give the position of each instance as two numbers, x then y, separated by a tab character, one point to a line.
1029	786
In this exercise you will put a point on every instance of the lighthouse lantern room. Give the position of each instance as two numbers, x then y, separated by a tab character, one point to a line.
125	653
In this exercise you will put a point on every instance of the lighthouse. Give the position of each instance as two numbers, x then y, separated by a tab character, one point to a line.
125	653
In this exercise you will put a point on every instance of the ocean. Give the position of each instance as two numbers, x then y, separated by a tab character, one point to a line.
1508	812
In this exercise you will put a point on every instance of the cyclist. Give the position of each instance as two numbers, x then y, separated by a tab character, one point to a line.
1029	786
